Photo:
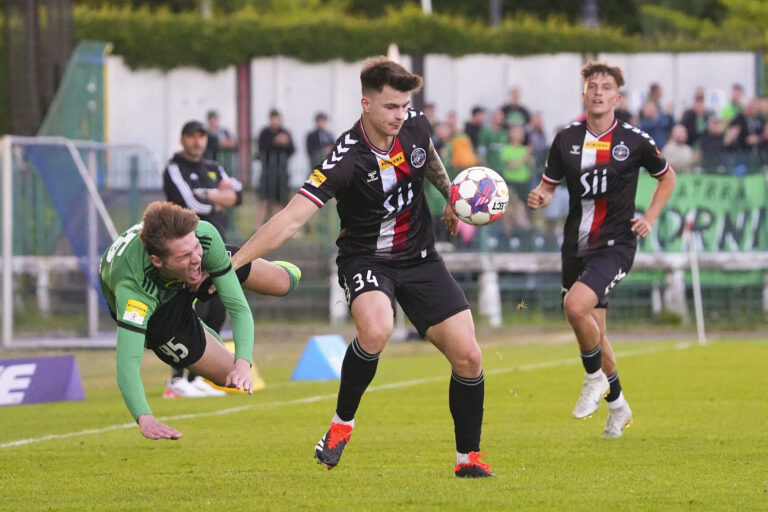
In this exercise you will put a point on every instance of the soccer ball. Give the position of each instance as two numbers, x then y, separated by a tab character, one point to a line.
478	196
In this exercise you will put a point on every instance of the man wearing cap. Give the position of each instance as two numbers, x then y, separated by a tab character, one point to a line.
204	187
319	141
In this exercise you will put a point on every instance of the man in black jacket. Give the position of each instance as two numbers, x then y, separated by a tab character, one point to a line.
203	186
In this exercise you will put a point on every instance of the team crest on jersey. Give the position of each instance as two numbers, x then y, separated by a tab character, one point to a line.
418	157
135	312
316	178
620	152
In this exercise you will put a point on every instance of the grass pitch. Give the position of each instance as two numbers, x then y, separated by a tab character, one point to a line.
699	441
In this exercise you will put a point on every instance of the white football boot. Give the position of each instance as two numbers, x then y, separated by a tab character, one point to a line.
619	418
180	387
595	387
206	389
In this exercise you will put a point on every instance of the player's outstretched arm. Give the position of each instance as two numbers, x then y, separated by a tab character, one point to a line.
130	349
151	428
282	226
664	187
541	196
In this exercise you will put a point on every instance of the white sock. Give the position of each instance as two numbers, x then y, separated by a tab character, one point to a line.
595	375
336	419
619	402
462	458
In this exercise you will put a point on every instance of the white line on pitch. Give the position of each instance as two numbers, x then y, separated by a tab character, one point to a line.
318	398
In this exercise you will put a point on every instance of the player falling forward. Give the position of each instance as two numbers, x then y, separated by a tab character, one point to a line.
147	276
376	172
600	161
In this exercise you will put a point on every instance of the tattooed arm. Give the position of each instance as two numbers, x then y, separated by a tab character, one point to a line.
438	176
436	173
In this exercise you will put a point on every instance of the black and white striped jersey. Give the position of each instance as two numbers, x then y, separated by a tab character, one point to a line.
379	193
601	173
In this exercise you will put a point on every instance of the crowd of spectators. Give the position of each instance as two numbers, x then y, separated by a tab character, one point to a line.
511	139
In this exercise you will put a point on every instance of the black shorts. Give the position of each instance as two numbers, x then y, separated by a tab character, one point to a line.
175	333
601	271
424	288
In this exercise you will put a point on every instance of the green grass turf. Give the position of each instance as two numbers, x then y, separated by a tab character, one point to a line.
699	441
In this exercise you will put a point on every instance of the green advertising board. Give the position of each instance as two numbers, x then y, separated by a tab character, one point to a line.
727	213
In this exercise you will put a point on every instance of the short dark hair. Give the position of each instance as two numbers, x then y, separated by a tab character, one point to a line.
164	221
601	68
381	71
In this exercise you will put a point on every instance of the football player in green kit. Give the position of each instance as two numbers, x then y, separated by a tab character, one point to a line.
149	276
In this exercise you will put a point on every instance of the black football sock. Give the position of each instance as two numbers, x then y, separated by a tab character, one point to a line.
177	372
613	380
592	359
357	372
465	399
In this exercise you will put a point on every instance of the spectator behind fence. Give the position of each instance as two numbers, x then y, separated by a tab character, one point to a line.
695	119
462	153
712	146
275	148
492	140
744	130
537	139
655	123
517	173
430	112
734	105
514	111
319	141
218	137
475	124
682	157
621	111
762	146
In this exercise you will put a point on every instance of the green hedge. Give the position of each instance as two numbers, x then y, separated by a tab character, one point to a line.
161	39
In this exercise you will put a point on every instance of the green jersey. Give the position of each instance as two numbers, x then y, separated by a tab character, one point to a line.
134	289
490	145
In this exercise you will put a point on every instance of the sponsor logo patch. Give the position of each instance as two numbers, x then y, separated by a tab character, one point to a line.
316	178
392	162
135	312
597	144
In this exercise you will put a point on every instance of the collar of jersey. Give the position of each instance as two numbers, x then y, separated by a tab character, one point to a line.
609	130
368	142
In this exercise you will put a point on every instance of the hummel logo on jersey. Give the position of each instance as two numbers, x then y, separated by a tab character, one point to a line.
575	150
372	176
412	112
338	152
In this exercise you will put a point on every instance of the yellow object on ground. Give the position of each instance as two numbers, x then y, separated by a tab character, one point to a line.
258	382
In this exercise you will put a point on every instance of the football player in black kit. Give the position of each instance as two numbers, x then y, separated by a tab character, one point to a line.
600	161
377	172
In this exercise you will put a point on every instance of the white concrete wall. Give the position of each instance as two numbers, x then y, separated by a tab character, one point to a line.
149	107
